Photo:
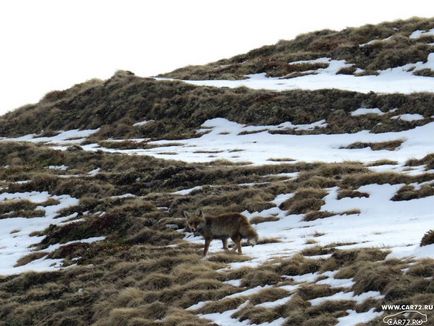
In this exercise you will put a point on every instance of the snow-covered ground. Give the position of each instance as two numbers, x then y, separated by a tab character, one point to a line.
418	34
376	221
409	117
365	111
228	140
393	80
393	225
224	141
16	236
382	223
68	137
353	317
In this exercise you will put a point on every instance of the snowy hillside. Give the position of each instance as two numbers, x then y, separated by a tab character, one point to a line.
400	79
339	185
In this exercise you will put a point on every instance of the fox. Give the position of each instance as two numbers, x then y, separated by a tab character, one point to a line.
222	227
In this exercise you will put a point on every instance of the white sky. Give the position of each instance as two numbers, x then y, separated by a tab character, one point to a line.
53	44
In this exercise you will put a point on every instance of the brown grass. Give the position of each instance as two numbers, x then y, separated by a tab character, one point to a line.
222	305
297	265
264	277
330	307
29	258
304	200
408	192
262	219
387	145
316	250
310	291
256	315
428	238
383	162
270	294
311	216
16	205
350	193
145	272
427	160
229	257
273	59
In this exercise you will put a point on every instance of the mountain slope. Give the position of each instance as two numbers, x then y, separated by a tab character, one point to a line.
176	109
368	48
94	181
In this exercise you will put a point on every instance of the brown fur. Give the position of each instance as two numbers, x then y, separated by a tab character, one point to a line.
222	227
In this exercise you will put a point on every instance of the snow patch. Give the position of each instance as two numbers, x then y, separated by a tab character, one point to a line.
348	296
262	147
236	283
68	137
188	191
58	167
94	172
15	239
409	117
333	65
381	223
366	111
248	292
355	318
274	304
421	33
142	123
392	81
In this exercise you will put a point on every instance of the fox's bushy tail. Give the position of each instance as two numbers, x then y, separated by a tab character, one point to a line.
247	231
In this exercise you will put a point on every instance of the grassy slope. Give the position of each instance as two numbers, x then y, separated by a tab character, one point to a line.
342	45
179	109
135	278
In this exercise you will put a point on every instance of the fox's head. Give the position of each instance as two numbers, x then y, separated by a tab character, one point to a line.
195	221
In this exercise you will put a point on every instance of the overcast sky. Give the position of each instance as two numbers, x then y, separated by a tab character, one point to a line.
53	44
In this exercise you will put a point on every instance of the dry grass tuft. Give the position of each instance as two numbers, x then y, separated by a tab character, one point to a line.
312	291
266	295
262	219
427	239
304	201
227	257
260	277
29	258
221	305
409	192
297	265
314	215
257	315
387	145
350	193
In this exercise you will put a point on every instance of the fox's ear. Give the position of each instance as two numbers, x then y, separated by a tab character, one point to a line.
201	214
186	214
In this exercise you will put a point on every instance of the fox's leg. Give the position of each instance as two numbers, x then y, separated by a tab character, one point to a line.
239	246
205	249
237	240
225	243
